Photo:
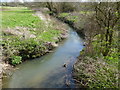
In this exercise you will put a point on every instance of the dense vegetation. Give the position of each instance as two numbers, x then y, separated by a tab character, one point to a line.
26	35
19	17
99	61
97	66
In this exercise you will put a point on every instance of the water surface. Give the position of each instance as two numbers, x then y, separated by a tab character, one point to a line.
48	71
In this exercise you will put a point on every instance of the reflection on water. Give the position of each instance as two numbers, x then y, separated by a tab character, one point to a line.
48	71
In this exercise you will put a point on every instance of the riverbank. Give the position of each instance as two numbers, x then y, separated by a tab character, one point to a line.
36	73
76	21
94	70
28	34
42	30
92	66
5	71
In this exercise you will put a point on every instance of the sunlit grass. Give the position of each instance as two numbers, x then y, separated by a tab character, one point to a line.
17	47
21	17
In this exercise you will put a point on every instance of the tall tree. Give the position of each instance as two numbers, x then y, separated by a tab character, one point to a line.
107	17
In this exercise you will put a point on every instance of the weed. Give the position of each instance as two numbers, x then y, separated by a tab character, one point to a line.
16	60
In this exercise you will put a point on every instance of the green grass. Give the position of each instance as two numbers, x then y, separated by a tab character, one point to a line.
49	36
16	47
64	14
68	16
21	17
77	19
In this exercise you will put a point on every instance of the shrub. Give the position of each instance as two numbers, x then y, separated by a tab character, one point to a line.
64	14
16	60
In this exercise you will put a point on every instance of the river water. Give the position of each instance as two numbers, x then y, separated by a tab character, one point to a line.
48	71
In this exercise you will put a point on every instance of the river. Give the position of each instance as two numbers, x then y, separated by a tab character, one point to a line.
48	71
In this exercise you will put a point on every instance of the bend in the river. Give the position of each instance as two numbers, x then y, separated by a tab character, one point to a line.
53	70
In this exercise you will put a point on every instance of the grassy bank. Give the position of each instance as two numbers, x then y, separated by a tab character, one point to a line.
26	36
76	20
